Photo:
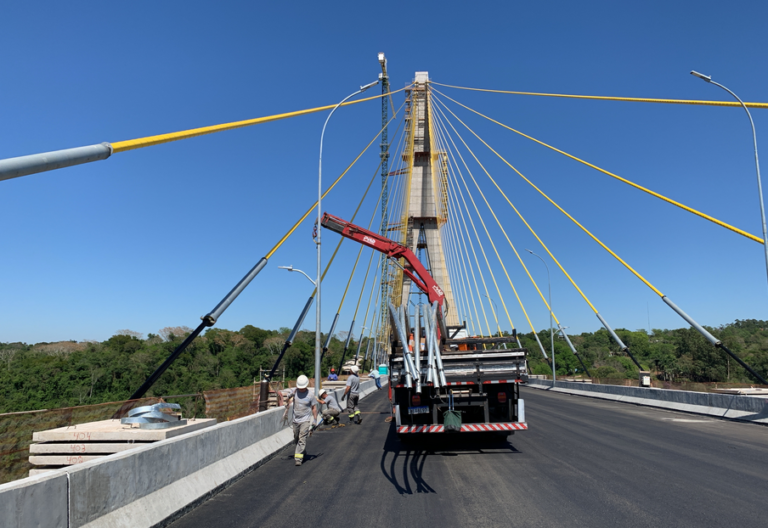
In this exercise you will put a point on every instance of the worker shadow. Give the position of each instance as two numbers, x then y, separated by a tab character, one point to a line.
307	457
403	463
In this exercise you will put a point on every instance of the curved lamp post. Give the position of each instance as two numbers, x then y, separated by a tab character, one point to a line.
318	344
708	78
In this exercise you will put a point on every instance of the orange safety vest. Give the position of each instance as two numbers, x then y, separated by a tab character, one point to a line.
410	343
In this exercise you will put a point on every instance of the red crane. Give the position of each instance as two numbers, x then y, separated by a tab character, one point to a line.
413	268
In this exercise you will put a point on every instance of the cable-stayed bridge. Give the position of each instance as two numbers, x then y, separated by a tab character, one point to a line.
433	196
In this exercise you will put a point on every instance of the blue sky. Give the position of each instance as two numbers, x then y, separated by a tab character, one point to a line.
155	237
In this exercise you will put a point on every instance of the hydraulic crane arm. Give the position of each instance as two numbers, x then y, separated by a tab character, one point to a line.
413	268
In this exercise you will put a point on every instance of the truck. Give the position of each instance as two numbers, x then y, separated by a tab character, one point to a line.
451	382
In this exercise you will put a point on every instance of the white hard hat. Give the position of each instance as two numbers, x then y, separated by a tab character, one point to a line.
323	393
302	382
354	369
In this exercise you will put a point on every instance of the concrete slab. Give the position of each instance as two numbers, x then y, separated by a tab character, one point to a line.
61	460
82	448
114	431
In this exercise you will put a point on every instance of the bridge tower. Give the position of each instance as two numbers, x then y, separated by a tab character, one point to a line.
425	210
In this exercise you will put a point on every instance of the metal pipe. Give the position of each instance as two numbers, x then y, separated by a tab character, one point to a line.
57	159
207	320
291	337
211	318
573	349
438	357
624	348
417	340
428	339
403	340
167	363
712	339
330	334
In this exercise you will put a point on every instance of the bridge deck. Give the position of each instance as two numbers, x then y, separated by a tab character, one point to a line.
582	463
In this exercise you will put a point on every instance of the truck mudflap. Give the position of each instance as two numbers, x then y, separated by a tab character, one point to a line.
466	428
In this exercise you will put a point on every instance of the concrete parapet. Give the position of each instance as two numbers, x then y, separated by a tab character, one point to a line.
40	500
151	484
736	407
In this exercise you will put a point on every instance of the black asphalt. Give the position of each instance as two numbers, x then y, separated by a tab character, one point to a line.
583	462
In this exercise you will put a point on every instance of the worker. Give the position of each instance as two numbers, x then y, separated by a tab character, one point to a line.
304	404
332	410
332	376
352	393
375	375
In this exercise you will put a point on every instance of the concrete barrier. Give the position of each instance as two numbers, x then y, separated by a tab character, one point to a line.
150	485
731	406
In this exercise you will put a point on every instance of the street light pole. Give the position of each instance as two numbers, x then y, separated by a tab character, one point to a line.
551	326
318	344
291	268
708	78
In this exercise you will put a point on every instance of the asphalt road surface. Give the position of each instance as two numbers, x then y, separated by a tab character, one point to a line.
583	462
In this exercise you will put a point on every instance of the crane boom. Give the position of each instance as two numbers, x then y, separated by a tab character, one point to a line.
413	268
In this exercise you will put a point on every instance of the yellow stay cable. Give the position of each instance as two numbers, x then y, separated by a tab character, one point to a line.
587	231
608	98
616	176
329	189
583	295
122	146
519	258
481	220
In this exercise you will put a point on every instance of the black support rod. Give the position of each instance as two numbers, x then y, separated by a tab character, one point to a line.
208	320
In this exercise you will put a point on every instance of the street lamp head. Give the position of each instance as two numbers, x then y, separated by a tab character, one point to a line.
707	78
529	251
369	85
289	268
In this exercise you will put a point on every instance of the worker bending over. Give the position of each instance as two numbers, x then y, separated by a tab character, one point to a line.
352	393
304	403
333	409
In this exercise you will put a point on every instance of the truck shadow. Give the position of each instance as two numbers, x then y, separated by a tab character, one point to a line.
403	461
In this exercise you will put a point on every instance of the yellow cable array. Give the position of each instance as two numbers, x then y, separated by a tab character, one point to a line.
341	239
487	263
122	146
519	258
608	98
457	207
484	226
309	211
630	268
456	247
616	176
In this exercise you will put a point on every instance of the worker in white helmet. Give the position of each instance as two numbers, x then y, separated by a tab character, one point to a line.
333	409
352	393
304	404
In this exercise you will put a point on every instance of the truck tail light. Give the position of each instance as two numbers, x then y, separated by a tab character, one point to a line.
415	400
502	397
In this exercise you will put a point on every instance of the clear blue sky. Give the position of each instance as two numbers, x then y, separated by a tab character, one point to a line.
155	237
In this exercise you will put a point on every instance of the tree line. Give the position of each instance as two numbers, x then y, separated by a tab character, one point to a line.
68	373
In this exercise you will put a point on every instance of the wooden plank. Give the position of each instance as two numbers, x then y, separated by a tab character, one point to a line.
114	431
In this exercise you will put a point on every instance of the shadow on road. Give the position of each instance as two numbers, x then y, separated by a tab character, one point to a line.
406	459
